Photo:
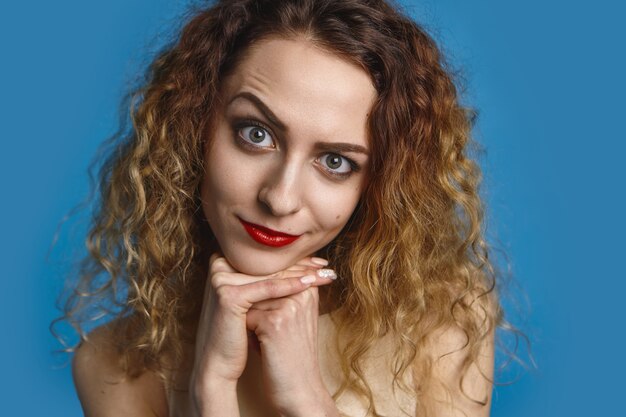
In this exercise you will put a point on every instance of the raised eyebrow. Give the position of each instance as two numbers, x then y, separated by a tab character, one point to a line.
337	147
263	108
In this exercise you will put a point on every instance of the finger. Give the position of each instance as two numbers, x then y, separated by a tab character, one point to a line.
301	306
220	279
297	267
293	271
313	261
302	265
289	272
218	263
321	273
271	304
255	319
323	276
310	295
272	288
214	256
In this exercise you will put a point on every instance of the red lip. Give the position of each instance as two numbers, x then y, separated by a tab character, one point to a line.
267	236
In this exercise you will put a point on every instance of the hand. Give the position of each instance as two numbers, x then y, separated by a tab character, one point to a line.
222	341
287	332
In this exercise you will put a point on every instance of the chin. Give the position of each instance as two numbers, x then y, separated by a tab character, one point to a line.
259	264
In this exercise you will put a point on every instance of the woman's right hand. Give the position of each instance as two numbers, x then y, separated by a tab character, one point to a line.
222	337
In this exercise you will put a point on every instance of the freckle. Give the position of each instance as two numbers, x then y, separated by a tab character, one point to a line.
337	217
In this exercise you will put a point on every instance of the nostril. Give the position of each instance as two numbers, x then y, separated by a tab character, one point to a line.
281	190
279	201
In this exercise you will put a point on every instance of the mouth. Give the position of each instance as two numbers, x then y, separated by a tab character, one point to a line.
266	236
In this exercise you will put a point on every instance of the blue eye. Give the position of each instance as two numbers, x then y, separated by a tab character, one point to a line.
337	164
256	136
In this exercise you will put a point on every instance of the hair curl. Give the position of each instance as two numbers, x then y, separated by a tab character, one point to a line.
412	259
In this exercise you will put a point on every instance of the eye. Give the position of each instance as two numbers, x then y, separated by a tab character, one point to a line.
337	164
256	136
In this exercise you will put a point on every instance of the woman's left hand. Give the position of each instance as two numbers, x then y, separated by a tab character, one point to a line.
287	332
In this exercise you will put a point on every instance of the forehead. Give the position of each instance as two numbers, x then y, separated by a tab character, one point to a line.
305	85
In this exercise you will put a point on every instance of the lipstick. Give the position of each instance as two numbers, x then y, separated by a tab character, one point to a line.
267	236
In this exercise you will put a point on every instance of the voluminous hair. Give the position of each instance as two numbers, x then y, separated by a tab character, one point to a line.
412	259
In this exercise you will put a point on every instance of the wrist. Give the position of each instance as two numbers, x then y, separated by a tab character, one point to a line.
316	404
214	397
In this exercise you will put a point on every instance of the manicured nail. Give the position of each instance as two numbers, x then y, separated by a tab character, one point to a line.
307	279
326	273
319	261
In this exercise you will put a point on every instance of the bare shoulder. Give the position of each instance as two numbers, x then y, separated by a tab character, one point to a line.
102	387
463	375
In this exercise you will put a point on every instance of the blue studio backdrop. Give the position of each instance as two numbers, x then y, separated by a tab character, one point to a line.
547	78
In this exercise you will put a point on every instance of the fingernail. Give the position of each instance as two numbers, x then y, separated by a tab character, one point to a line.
326	273
319	261
307	279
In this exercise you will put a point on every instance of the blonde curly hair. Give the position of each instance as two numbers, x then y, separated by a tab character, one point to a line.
413	258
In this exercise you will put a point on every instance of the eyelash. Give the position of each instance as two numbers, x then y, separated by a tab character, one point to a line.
241	124
354	167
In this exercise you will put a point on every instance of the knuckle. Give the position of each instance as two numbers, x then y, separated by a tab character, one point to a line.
275	321
213	257
225	295
307	299
272	287
291	306
300	298
219	263
218	279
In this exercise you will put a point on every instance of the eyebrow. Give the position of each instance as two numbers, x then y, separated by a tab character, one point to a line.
340	147
262	107
324	146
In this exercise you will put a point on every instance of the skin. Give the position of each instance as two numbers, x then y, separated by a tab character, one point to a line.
284	183
301	173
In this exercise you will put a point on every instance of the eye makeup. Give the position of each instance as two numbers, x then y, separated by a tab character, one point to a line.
327	149
354	167
241	124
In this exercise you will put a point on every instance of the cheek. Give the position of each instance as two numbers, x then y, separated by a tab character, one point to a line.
229	176
334	211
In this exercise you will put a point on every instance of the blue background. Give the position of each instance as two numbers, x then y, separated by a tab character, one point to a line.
546	76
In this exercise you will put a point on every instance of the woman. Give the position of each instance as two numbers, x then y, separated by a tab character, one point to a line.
291	227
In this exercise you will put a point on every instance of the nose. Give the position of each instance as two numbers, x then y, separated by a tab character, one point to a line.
281	191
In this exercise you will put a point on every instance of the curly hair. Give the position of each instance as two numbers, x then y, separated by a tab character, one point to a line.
413	257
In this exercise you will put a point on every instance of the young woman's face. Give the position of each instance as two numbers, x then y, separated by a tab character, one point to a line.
288	154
